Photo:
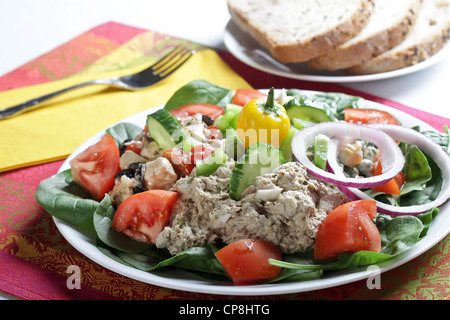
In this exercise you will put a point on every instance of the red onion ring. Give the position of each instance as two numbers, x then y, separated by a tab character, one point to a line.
392	158
427	145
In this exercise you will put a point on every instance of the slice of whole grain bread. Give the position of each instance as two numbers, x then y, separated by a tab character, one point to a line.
388	25
300	30
428	35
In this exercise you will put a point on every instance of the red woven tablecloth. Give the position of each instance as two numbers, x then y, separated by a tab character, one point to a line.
34	256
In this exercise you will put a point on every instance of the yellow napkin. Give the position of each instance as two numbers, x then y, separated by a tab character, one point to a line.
54	130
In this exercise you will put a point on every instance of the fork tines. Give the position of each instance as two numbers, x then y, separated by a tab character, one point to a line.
172	61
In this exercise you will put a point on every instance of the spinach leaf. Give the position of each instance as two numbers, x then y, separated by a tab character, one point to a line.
103	217
441	138
417	170
357	259
110	253
60	196
123	131
423	182
446	145
196	258
145	261
344	260
199	91
333	102
427	218
338	102
293	275
398	233
429	192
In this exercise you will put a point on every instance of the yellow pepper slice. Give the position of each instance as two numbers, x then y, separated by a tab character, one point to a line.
263	121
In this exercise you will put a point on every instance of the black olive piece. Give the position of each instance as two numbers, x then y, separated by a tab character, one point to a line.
137	189
126	172
138	168
134	170
135	166
125	144
207	120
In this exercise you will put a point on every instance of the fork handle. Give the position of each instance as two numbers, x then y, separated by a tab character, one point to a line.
30	104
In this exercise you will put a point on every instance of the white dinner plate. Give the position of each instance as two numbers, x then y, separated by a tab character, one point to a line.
250	52
182	280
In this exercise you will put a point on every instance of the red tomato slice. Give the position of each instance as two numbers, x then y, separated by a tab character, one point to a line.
145	131
242	96
368	116
208	109
214	133
144	215
201	152
135	146
247	261
348	228
392	186
180	160
94	168
183	162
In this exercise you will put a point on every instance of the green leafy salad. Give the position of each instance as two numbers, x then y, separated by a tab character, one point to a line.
134	190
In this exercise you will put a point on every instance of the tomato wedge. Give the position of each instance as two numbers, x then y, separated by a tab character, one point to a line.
348	228
181	161
214	133
392	186
369	116
135	146
94	168
208	109
144	215
201	152
247	261
242	96
184	162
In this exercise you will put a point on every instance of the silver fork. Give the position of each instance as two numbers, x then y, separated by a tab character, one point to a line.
141	80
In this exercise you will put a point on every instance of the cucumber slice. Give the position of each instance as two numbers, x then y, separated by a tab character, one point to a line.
165	129
229	118
308	113
234	147
259	159
189	143
300	124
210	164
320	151
285	146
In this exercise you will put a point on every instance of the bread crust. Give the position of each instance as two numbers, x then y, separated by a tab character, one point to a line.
346	56
412	54
317	45
402	59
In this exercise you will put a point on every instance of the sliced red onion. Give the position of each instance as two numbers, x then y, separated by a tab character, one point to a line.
427	145
340	133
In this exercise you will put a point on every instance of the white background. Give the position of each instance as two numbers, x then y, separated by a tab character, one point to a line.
29	28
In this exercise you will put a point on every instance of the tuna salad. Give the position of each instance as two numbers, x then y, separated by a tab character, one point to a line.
315	190
285	206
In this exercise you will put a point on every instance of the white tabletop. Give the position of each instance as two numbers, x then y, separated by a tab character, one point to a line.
29	28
